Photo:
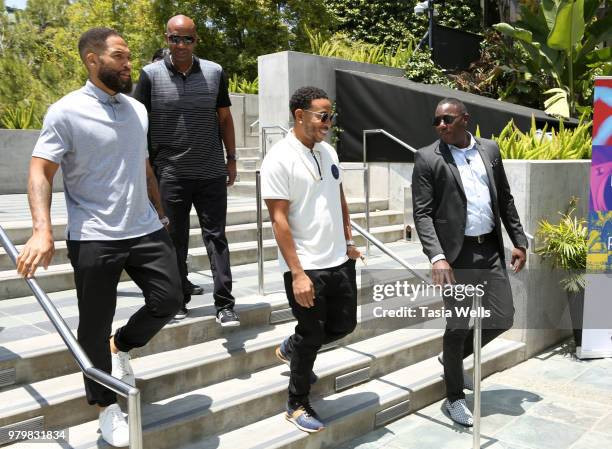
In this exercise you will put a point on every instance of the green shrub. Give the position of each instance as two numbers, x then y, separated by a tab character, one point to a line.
567	143
340	46
21	116
565	246
243	86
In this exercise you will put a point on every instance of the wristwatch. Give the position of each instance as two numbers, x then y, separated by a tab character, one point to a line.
165	221
350	243
231	157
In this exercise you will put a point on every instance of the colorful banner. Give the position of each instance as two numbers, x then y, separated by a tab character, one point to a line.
597	326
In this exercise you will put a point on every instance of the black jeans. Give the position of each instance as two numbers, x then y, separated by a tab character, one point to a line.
333	316
151	263
209	197
477	263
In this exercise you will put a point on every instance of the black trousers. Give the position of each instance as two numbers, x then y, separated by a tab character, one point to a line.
477	263
150	262
333	316
209	197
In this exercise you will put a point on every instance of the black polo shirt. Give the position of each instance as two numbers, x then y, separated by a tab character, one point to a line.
184	134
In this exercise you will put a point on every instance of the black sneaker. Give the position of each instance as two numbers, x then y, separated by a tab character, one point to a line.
182	313
196	289
228	318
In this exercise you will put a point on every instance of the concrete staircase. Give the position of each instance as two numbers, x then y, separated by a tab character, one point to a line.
207	387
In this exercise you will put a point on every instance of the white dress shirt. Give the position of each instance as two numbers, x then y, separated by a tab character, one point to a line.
480	219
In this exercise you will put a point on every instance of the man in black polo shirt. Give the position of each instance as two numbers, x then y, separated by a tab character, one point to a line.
189	121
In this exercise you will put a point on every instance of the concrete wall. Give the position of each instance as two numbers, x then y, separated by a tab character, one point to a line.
245	111
15	153
280	74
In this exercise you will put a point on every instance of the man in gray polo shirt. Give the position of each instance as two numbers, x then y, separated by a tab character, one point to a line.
189	112
98	136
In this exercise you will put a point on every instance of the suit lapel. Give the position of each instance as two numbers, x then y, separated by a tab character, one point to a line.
488	167
445	152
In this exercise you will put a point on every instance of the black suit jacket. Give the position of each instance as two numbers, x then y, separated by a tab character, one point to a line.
440	205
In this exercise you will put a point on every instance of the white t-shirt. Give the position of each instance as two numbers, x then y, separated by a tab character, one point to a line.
289	172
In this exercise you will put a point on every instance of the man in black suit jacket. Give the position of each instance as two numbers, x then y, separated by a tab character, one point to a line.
460	197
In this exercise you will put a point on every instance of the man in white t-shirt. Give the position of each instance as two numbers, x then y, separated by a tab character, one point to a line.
301	184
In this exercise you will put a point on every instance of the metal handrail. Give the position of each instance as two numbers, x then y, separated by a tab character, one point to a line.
388	251
252	125
366	174
131	393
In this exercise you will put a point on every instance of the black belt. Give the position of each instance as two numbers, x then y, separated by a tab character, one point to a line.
479	238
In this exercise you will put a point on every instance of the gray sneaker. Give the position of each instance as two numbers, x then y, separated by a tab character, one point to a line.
468	381
459	412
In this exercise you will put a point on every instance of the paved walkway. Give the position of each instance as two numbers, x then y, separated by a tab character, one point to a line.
552	401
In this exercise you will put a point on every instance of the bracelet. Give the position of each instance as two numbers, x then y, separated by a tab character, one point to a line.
231	157
165	221
350	243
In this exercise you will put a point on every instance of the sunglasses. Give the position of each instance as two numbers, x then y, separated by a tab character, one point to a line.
323	116
176	39
447	119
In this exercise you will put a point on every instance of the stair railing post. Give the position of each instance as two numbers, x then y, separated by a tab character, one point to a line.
366	189
477	370
260	249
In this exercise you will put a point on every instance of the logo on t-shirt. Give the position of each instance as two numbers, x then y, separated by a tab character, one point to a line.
335	171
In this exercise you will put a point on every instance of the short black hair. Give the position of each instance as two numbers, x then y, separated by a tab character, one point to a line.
302	98
455	102
94	40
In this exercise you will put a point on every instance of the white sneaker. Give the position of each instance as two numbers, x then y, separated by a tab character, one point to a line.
459	412
114	427
122	368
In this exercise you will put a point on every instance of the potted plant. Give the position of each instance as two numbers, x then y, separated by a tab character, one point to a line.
565	246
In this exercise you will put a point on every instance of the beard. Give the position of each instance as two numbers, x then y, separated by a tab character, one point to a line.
113	80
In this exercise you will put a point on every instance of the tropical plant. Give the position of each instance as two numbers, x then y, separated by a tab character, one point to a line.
340	46
541	144
21	116
242	85
565	246
494	76
563	39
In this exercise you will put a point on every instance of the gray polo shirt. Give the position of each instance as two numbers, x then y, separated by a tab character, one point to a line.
100	141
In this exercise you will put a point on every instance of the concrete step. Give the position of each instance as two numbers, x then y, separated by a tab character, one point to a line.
177	422
20	231
248	163
229	369
60	277
243	189
237	233
45	356
248	152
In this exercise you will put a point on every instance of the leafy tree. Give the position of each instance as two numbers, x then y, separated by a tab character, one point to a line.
45	13
234	32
